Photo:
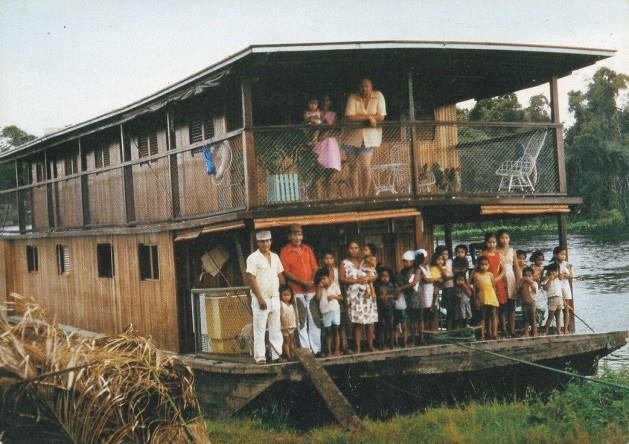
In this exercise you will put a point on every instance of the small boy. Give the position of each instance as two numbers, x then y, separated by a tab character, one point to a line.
386	299
552	286
368	266
528	293
462	292
329	294
521	258
460	262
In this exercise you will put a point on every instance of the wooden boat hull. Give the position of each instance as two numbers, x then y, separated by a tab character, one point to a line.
225	387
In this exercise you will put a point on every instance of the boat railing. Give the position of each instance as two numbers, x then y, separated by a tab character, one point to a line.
219	315
301	163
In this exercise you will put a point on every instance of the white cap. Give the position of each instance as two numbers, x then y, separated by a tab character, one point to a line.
263	235
422	252
408	255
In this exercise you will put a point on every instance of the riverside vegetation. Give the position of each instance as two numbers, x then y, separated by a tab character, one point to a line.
585	412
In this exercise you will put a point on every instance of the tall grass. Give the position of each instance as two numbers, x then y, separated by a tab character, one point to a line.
582	413
57	387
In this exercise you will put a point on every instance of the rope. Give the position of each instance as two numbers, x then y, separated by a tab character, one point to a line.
544	367
581	319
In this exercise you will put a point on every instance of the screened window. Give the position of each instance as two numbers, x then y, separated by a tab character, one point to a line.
101	156
63	259
149	261
147	144
40	172
32	259
71	165
105	260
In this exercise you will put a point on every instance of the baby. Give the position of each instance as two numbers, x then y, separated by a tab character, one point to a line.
368	266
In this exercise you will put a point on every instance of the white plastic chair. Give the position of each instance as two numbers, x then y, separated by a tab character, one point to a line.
388	177
516	174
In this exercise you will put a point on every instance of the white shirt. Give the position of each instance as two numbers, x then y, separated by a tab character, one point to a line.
369	137
266	273
326	305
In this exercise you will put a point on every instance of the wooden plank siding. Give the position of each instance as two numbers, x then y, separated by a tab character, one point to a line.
83	299
438	144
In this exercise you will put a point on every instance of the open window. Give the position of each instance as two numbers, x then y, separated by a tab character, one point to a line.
63	259
32	259
148	259
105	260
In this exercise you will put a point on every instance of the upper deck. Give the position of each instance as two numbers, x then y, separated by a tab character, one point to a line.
144	165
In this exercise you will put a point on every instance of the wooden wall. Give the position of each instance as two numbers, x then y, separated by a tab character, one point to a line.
83	299
442	147
6	257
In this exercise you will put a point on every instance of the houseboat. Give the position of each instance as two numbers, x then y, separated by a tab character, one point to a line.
145	215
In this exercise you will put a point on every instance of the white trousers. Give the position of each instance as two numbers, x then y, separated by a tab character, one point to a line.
309	333
262	318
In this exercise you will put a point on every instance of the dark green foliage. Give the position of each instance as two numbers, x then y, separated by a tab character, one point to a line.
17	136
597	146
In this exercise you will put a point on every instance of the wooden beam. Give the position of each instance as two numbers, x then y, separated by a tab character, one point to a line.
248	146
339	406
84	186
561	156
50	201
447	228
414	151
171	144
21	214
127	176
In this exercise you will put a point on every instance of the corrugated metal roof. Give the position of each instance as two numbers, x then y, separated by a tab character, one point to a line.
592	55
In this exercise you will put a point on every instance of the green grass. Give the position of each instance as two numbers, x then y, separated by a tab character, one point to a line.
582	413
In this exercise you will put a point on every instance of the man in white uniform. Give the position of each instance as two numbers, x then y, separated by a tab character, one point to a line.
264	275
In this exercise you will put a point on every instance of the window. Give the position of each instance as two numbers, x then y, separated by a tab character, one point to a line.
40	173
63	259
147	144
101	156
32	260
201	128
105	260
71	164
149	262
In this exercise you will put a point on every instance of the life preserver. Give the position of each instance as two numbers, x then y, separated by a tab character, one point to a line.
223	160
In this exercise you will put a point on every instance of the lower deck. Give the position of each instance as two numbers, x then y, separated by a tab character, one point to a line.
225	385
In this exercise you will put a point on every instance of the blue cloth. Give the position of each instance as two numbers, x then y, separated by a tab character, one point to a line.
210	166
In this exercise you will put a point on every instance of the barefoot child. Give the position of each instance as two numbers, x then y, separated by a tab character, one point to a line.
288	320
560	255
528	293
462	293
486	299
386	300
552	286
329	262
329	294
405	294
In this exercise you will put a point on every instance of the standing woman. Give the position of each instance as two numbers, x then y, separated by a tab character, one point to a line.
363	309
496	268
511	270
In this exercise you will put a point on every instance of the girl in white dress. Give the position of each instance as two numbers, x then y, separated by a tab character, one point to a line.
511	268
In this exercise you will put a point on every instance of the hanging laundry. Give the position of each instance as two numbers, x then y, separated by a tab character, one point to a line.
210	166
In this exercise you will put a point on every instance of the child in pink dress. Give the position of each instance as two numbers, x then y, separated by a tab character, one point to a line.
327	151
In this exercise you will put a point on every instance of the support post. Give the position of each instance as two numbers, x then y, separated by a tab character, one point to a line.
560	154
447	228
248	145
171	144
50	201
21	215
85	198
127	176
414	150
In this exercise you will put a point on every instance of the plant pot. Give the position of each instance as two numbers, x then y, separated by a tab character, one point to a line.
282	188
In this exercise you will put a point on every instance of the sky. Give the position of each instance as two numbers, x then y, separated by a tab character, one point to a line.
64	62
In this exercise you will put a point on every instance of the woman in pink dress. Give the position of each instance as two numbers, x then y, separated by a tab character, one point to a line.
327	150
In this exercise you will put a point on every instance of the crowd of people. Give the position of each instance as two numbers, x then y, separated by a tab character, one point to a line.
360	300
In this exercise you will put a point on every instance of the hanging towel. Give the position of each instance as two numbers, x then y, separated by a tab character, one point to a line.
210	166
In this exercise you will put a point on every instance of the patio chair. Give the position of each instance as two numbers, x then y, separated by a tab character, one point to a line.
516	174
389	177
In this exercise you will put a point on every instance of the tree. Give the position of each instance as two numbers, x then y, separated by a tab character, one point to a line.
597	145
16	136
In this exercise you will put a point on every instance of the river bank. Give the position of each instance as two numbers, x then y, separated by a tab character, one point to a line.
583	412
611	223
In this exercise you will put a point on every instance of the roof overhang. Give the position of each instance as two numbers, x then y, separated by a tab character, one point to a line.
516	65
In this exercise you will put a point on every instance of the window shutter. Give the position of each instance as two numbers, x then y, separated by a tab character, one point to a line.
196	131
208	128
153	143
143	145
